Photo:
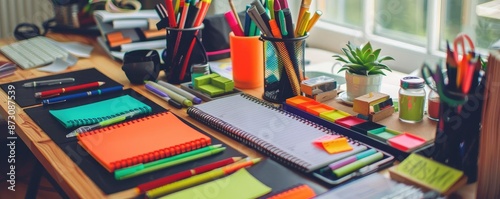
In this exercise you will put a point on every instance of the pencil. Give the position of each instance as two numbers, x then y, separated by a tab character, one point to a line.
185	174
233	9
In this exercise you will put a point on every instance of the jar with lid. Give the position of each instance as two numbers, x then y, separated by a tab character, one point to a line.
411	99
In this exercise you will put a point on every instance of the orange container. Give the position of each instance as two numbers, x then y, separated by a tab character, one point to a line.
247	58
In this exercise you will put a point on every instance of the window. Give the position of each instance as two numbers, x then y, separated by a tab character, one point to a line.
412	31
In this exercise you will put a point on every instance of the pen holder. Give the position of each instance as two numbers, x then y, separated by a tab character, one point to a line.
457	134
184	49
247	61
283	67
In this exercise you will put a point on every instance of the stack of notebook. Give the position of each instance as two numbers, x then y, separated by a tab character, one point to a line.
123	32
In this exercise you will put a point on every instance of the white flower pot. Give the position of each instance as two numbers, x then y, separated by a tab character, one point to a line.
358	85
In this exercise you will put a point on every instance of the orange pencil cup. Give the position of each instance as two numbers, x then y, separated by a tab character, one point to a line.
247	60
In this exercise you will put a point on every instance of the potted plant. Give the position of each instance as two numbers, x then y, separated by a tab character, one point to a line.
363	69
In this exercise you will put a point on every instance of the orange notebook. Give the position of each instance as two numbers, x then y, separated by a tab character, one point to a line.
302	191
141	140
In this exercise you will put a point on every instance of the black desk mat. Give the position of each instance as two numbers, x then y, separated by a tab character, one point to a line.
267	171
26	96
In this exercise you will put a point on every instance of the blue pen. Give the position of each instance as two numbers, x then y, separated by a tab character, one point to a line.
81	95
163	96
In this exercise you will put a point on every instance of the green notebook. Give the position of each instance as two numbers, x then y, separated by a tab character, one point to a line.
240	184
99	111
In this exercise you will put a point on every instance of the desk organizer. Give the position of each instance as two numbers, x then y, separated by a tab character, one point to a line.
374	134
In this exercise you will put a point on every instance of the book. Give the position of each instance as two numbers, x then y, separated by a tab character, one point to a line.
428	174
141	140
278	134
104	19
96	112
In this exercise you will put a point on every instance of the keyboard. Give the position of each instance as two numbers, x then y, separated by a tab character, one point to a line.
34	52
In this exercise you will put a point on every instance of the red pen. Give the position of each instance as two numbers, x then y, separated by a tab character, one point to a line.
185	174
58	91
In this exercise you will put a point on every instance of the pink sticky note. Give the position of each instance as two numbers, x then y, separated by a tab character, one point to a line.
325	138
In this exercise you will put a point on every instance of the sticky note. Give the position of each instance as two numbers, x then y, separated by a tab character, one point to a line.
337	145
326	138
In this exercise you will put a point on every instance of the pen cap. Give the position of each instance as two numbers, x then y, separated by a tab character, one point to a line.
141	65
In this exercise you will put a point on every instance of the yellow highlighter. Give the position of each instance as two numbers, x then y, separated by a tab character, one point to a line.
303	24
304	6
313	20
199	179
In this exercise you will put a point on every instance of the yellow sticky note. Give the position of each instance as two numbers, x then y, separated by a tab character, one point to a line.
337	145
429	172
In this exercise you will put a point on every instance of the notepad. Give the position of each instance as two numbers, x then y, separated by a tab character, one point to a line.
141	140
240	184
280	135
99	111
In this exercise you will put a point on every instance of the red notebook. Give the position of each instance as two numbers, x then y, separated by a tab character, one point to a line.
141	140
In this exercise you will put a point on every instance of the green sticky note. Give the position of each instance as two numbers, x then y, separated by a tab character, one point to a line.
240	184
429	172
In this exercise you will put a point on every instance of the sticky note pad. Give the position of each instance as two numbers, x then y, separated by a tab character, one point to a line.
406	142
326	138
317	109
349	121
333	115
367	126
424	172
305	105
294	101
336	146
383	134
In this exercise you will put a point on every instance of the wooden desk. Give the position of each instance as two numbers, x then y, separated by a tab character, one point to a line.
65	172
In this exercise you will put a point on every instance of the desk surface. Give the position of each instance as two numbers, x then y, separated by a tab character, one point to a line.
66	173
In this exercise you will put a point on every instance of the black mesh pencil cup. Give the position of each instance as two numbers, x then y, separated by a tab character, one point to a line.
283	67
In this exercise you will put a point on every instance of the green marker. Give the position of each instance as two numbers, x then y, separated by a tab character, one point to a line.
342	171
140	169
104	123
172	94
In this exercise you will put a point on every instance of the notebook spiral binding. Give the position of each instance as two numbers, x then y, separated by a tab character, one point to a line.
255	142
89	121
152	156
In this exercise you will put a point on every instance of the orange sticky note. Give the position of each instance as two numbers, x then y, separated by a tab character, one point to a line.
326	138
337	145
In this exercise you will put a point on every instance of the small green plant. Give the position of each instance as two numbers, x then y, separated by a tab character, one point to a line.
363	60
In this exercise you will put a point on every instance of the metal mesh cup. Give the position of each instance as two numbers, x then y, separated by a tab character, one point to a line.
283	67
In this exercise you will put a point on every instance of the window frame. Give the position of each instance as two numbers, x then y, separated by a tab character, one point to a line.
409	57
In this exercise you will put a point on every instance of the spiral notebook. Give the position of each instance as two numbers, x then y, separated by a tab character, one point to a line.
141	140
99	111
278	134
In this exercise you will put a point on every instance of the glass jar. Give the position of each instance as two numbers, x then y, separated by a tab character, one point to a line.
199	70
433	105
411	99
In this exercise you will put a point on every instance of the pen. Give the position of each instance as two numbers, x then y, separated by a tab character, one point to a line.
199	179
313	20
58	91
233	24
185	174
262	12
303	24
48	82
140	169
172	94
104	123
81	95
304	6
163	96
342	171
259	22
179	91
348	160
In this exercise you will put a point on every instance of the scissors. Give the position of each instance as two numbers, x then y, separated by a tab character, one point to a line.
451	98
463	53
